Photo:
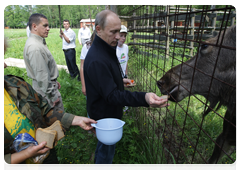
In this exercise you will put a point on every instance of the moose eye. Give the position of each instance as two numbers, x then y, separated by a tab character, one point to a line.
204	46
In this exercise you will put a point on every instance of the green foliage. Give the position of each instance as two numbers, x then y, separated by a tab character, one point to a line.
16	16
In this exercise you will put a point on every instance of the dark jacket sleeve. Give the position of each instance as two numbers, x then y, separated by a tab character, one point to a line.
105	85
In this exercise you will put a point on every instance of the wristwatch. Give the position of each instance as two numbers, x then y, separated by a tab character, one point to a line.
125	76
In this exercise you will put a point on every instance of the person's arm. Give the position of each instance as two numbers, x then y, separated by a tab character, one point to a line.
82	58
90	33
82	78
126	72
31	151
109	91
79	37
103	81
64	36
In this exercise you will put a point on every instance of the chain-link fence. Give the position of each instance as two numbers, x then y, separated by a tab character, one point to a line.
169	55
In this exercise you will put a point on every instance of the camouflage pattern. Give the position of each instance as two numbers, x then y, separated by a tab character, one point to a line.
33	106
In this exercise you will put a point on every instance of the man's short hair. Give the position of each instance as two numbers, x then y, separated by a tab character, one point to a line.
66	20
35	18
101	18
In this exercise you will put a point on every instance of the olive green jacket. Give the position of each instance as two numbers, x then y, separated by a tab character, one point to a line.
34	107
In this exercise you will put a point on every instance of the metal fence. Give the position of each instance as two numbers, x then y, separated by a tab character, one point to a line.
160	38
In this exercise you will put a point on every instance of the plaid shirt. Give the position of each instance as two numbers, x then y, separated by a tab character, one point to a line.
34	107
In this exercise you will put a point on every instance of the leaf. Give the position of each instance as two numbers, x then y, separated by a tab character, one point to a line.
74	145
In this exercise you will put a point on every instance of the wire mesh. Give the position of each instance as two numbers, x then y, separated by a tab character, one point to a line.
163	37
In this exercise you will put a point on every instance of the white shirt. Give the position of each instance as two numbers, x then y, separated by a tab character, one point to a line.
71	36
84	34
84	52
122	55
28	31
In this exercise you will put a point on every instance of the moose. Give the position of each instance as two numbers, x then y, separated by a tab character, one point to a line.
212	74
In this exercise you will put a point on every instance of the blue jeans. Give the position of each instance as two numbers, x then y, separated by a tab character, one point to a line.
104	153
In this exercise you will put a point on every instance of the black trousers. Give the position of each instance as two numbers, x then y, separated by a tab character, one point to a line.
70	56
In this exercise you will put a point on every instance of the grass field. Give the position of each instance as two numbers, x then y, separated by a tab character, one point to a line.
140	143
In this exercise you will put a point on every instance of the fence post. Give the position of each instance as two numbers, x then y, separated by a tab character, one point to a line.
155	23
148	17
214	19
134	25
192	33
167	9
233	18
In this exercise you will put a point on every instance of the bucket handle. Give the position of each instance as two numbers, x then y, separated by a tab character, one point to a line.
93	125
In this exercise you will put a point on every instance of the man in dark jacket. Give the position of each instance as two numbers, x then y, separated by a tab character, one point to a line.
104	84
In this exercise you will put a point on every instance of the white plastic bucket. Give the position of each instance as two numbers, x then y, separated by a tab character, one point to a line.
109	131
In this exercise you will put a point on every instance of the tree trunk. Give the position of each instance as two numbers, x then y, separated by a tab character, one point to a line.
90	16
113	8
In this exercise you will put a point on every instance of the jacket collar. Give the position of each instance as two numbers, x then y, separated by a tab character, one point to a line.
100	42
39	38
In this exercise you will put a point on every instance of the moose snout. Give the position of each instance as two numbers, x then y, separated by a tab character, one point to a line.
160	83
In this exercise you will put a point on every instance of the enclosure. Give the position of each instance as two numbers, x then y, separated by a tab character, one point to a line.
159	38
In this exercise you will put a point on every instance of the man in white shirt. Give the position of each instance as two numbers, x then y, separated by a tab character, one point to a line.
122	51
68	37
84	34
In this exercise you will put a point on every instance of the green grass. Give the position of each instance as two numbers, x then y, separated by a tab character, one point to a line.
17	39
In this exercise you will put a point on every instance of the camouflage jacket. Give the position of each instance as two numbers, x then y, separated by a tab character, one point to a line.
33	106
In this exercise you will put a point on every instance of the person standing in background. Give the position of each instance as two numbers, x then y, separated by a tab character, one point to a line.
122	51
68	37
40	64
84	34
82	58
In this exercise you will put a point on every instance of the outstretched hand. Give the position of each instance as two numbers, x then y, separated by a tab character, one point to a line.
83	122
155	101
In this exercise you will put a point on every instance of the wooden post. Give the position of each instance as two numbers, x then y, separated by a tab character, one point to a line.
172	26
147	13
167	9
134	26
192	33
233	18
90	16
113	8
214	19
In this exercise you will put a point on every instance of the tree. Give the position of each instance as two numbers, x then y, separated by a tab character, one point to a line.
17	16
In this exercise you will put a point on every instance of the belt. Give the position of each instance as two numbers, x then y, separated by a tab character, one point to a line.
68	49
